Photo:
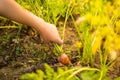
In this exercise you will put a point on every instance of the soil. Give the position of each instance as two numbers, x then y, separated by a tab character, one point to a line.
23	51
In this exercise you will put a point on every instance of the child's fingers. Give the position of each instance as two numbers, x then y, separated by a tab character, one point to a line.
59	41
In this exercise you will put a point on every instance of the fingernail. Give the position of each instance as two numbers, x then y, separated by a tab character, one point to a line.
61	41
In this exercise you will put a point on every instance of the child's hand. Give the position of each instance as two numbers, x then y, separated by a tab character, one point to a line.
50	34
48	31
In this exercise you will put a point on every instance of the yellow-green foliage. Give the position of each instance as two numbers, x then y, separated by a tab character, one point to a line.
102	18
49	10
63	74
110	39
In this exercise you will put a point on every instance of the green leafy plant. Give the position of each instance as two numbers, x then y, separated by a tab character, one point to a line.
99	32
61	74
58	49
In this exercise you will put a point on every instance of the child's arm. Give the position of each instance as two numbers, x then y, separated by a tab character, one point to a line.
10	9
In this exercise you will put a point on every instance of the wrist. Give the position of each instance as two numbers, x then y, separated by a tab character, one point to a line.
37	22
40	26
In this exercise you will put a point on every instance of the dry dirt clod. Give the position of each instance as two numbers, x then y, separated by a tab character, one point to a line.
80	20
2	62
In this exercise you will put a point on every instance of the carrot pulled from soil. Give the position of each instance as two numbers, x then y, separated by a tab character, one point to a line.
64	59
